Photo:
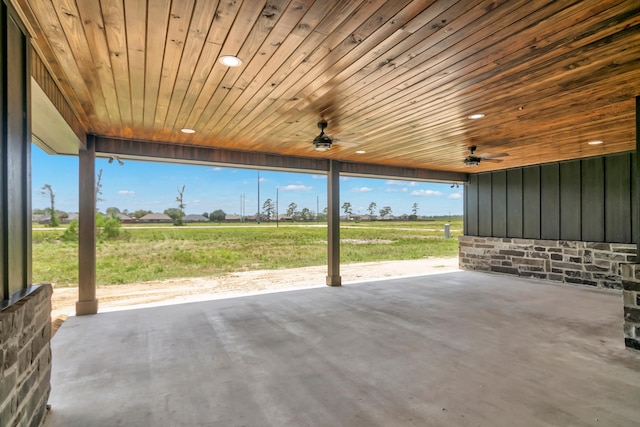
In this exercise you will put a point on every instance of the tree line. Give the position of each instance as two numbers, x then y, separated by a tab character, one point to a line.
177	213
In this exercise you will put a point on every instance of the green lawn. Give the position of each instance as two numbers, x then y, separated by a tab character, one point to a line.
192	251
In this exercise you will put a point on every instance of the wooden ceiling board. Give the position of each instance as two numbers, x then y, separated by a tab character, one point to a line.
269	30
134	31
192	58
177	32
396	79
318	54
115	48
222	26
158	16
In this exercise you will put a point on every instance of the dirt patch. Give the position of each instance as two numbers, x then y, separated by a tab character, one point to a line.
236	284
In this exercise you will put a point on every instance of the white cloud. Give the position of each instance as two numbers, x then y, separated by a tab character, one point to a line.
398	182
361	189
127	192
293	187
319	176
195	202
217	168
426	193
262	180
456	196
397	190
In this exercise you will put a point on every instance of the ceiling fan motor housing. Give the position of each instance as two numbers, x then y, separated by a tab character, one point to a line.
322	142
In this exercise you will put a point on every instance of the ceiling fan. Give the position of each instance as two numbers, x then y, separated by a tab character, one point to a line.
473	160
324	142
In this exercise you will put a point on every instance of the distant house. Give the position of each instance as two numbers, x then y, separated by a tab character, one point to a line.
156	218
40	218
70	217
125	219
233	218
195	218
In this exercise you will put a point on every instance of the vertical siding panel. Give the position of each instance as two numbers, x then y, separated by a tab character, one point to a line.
514	203
593	200
471	219
499	204
590	200
550	201
570	204
617	184
531	202
635	232
484	205
16	158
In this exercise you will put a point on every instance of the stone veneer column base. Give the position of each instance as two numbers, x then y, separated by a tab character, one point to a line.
585	263
25	359
631	298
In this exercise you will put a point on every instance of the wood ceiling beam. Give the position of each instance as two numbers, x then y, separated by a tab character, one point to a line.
160	151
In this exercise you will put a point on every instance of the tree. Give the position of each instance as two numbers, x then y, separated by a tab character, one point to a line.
268	209
305	214
107	227
322	216
48	191
372	209
385	211
348	209
205	214
181	206
414	209
414	212
140	213
217	215
174	213
112	211
291	210
98	189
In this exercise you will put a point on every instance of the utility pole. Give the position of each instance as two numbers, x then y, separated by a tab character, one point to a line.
258	197
277	197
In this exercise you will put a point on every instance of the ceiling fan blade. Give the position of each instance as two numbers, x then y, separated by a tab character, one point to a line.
343	143
494	156
484	159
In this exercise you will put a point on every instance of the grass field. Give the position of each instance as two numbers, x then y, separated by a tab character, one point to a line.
163	252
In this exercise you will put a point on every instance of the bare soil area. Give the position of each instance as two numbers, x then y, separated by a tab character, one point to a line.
236	284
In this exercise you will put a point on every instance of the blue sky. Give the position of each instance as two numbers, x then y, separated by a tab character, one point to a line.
154	186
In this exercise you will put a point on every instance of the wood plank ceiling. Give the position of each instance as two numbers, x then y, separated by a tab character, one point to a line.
396	79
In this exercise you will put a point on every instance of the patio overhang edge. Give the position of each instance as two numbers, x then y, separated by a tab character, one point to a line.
161	151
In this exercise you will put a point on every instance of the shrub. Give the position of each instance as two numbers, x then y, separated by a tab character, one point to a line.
71	233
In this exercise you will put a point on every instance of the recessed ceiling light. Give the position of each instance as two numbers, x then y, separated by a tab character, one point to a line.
476	116
185	130
360	152
598	142
230	61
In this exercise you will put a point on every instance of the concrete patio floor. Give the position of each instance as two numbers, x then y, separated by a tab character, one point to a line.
453	349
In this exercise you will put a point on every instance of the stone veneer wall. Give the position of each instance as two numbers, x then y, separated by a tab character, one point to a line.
631	297
25	359
586	263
